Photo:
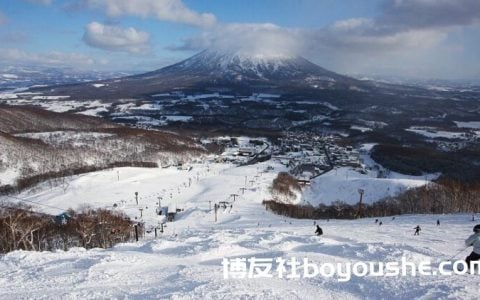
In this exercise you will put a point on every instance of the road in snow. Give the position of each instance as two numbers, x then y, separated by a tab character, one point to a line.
185	263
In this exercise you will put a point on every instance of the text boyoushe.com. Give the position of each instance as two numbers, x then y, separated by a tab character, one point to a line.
295	268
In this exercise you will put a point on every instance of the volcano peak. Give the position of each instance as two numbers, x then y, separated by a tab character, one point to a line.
214	69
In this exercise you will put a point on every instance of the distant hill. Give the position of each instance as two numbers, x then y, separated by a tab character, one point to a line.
17	119
37	145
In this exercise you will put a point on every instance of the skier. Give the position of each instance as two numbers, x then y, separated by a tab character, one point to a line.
376	221
417	230
438	222
473	240
380	224
319	231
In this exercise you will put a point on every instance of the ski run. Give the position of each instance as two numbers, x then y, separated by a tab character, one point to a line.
185	261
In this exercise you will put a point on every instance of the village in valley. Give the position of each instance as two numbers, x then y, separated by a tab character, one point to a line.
305	155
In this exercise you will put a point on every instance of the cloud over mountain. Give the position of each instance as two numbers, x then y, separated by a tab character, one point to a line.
263	39
405	32
402	37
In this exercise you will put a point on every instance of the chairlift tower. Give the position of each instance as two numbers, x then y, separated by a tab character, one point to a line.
360	204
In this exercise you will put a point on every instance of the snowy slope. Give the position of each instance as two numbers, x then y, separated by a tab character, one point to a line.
241	66
433	133
343	184
185	263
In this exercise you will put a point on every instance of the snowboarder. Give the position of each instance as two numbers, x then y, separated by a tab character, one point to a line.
438	222
319	231
417	230
473	240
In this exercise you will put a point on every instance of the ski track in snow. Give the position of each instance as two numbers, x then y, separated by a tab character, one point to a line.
185	262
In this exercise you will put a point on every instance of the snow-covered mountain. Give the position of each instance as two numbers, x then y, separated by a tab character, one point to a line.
212	69
239	66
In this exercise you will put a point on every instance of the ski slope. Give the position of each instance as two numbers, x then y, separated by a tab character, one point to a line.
343	184
185	261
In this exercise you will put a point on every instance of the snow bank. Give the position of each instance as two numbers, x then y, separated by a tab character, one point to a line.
472	124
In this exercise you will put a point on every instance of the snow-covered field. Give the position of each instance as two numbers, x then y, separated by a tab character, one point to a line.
473	124
343	184
185	262
56	103
433	133
360	128
73	138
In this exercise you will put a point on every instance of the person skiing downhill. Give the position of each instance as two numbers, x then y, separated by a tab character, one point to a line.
319	231
473	240
417	230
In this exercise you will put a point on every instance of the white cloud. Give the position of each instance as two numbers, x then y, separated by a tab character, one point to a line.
355	35
53	58
422	14
414	53
164	10
115	38
366	38
263	39
407	35
351	24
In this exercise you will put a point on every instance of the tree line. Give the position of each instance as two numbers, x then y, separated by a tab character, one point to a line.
21	228
59	177
445	196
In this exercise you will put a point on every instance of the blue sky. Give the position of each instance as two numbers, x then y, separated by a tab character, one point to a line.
414	38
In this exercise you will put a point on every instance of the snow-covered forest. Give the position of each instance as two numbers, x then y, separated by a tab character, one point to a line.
34	147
